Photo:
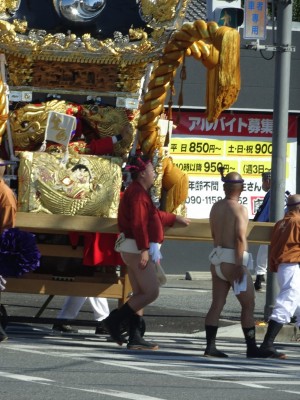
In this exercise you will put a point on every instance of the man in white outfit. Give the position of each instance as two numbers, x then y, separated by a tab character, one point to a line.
263	215
285	262
71	308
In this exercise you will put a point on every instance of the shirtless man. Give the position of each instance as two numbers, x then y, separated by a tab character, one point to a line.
229	261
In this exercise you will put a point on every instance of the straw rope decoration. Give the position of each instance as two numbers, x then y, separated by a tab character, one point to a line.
218	49
3	112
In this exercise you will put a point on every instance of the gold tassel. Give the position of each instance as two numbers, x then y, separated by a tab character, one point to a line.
224	81
170	103
176	184
178	194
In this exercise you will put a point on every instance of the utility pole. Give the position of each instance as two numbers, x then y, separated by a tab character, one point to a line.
280	128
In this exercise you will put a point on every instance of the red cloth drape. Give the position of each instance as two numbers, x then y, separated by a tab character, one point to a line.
98	248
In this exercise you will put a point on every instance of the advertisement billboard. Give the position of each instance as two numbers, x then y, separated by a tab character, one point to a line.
238	142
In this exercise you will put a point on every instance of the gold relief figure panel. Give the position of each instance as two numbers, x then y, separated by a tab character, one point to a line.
85	185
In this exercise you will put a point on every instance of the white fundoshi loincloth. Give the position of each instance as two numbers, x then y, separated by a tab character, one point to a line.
129	246
220	255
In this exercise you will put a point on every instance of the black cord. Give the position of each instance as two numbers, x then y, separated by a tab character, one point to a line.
266	58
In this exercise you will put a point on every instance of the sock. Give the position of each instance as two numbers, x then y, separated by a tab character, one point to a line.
211	350
252	349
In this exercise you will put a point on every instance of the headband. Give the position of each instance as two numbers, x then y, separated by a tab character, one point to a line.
139	167
293	204
232	180
266	175
223	178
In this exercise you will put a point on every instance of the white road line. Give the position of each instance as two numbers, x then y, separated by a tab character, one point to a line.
116	393
286	382
290	391
190	290
254	385
106	392
26	378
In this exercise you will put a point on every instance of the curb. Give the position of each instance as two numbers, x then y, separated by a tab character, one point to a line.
288	333
197	275
200	275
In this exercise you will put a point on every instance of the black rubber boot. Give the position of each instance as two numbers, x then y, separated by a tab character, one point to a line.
136	330
267	348
252	349
211	350
142	326
124	327
113	323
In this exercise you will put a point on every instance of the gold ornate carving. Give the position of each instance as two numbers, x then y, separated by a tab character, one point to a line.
134	48
38	45
20	26
47	74
85	185
130	77
28	123
109	121
70	75
19	71
8	5
159	10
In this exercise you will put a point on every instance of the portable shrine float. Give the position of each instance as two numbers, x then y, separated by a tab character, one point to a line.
78	73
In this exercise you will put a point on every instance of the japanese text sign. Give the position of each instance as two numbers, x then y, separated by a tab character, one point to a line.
255	19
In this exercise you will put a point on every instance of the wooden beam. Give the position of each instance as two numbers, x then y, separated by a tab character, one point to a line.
62	224
198	230
65	288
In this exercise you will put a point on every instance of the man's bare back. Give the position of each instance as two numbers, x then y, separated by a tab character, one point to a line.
228	220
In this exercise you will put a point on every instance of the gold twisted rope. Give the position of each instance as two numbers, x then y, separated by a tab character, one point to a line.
3	111
218	49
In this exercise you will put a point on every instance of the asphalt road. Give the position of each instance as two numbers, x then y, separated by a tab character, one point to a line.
37	363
